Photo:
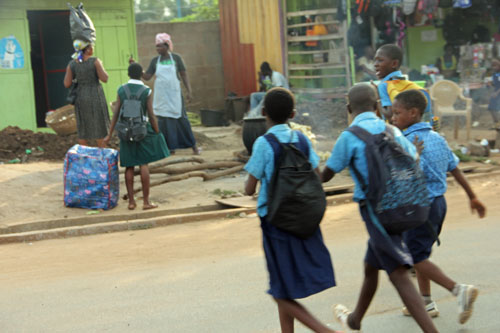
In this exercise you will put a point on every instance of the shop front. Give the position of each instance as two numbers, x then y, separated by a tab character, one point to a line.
36	46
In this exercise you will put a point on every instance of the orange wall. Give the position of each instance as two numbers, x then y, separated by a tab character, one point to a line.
250	34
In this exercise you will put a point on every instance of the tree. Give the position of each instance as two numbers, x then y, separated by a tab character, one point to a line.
161	10
202	10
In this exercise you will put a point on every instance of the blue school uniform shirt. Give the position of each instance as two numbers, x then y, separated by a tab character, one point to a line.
436	158
496	81
382	88
349	146
261	163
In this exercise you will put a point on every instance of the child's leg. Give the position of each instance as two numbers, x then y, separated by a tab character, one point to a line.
83	142
427	271
401	281
129	182
145	187
368	290
289	309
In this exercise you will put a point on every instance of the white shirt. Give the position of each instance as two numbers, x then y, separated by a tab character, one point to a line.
278	80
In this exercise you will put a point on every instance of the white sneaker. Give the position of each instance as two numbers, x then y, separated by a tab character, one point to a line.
431	309
341	313
466	297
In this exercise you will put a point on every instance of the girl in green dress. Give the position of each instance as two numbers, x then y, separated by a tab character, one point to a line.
152	148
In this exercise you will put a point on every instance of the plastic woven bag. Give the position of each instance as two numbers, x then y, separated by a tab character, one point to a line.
91	177
81	26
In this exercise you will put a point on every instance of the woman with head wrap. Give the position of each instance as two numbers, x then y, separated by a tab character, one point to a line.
168	103
91	110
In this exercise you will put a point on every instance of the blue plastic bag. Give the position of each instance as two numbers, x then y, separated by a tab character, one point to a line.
91	177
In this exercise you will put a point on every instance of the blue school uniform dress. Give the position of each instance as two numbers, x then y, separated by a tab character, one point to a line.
381	253
297	267
436	159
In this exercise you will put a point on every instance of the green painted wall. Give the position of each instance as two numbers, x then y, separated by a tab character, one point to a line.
423	52
116	41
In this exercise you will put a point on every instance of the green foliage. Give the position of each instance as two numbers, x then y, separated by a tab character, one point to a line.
202	10
166	10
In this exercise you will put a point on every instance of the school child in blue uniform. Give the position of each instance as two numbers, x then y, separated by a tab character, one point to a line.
436	160
494	104
388	59
392	256
297	267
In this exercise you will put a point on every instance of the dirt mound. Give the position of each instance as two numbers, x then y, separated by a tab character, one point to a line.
324	116
14	143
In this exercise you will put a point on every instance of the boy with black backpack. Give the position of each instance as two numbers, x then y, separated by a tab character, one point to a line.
384	192
291	204
436	160
140	139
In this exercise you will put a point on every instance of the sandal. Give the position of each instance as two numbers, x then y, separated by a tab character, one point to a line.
131	206
149	206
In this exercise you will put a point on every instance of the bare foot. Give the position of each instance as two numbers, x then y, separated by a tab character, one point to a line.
147	206
132	205
196	150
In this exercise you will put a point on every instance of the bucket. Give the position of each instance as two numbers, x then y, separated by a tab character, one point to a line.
252	129
212	117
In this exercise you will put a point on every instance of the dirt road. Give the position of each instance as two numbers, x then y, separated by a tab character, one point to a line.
211	277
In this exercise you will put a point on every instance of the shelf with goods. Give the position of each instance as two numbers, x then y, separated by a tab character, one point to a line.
316	64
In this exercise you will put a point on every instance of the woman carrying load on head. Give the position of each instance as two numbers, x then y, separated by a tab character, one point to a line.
168	102
91	110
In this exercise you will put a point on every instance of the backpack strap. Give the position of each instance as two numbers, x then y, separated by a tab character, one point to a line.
135	96
277	145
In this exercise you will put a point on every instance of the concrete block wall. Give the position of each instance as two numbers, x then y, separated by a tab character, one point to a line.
199	45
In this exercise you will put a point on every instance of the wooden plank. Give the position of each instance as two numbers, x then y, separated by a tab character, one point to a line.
315	76
309	52
312	12
308	24
240	202
251	202
315	66
327	93
314	38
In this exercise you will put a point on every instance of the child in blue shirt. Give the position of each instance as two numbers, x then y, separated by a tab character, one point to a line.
297	267
388	59
436	160
494	105
392	256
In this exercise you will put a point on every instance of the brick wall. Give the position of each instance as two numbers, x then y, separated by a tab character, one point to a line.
199	45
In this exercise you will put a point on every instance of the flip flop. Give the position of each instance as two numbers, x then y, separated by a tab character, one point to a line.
149	206
131	206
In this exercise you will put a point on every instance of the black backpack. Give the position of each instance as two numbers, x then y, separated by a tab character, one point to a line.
132	122
396	190
296	200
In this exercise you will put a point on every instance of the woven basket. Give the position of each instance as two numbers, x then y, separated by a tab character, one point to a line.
62	120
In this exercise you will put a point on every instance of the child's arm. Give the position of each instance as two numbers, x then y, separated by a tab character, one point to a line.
116	113
151	115
327	174
475	204
251	185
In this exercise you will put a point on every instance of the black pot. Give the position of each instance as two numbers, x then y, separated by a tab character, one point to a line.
252	129
212	117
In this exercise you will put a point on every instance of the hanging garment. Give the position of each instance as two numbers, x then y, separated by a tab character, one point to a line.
462	3
167	100
409	6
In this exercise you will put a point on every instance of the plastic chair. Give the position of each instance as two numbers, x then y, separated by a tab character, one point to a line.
444	94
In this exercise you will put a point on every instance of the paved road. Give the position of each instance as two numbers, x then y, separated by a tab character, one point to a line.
211	277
